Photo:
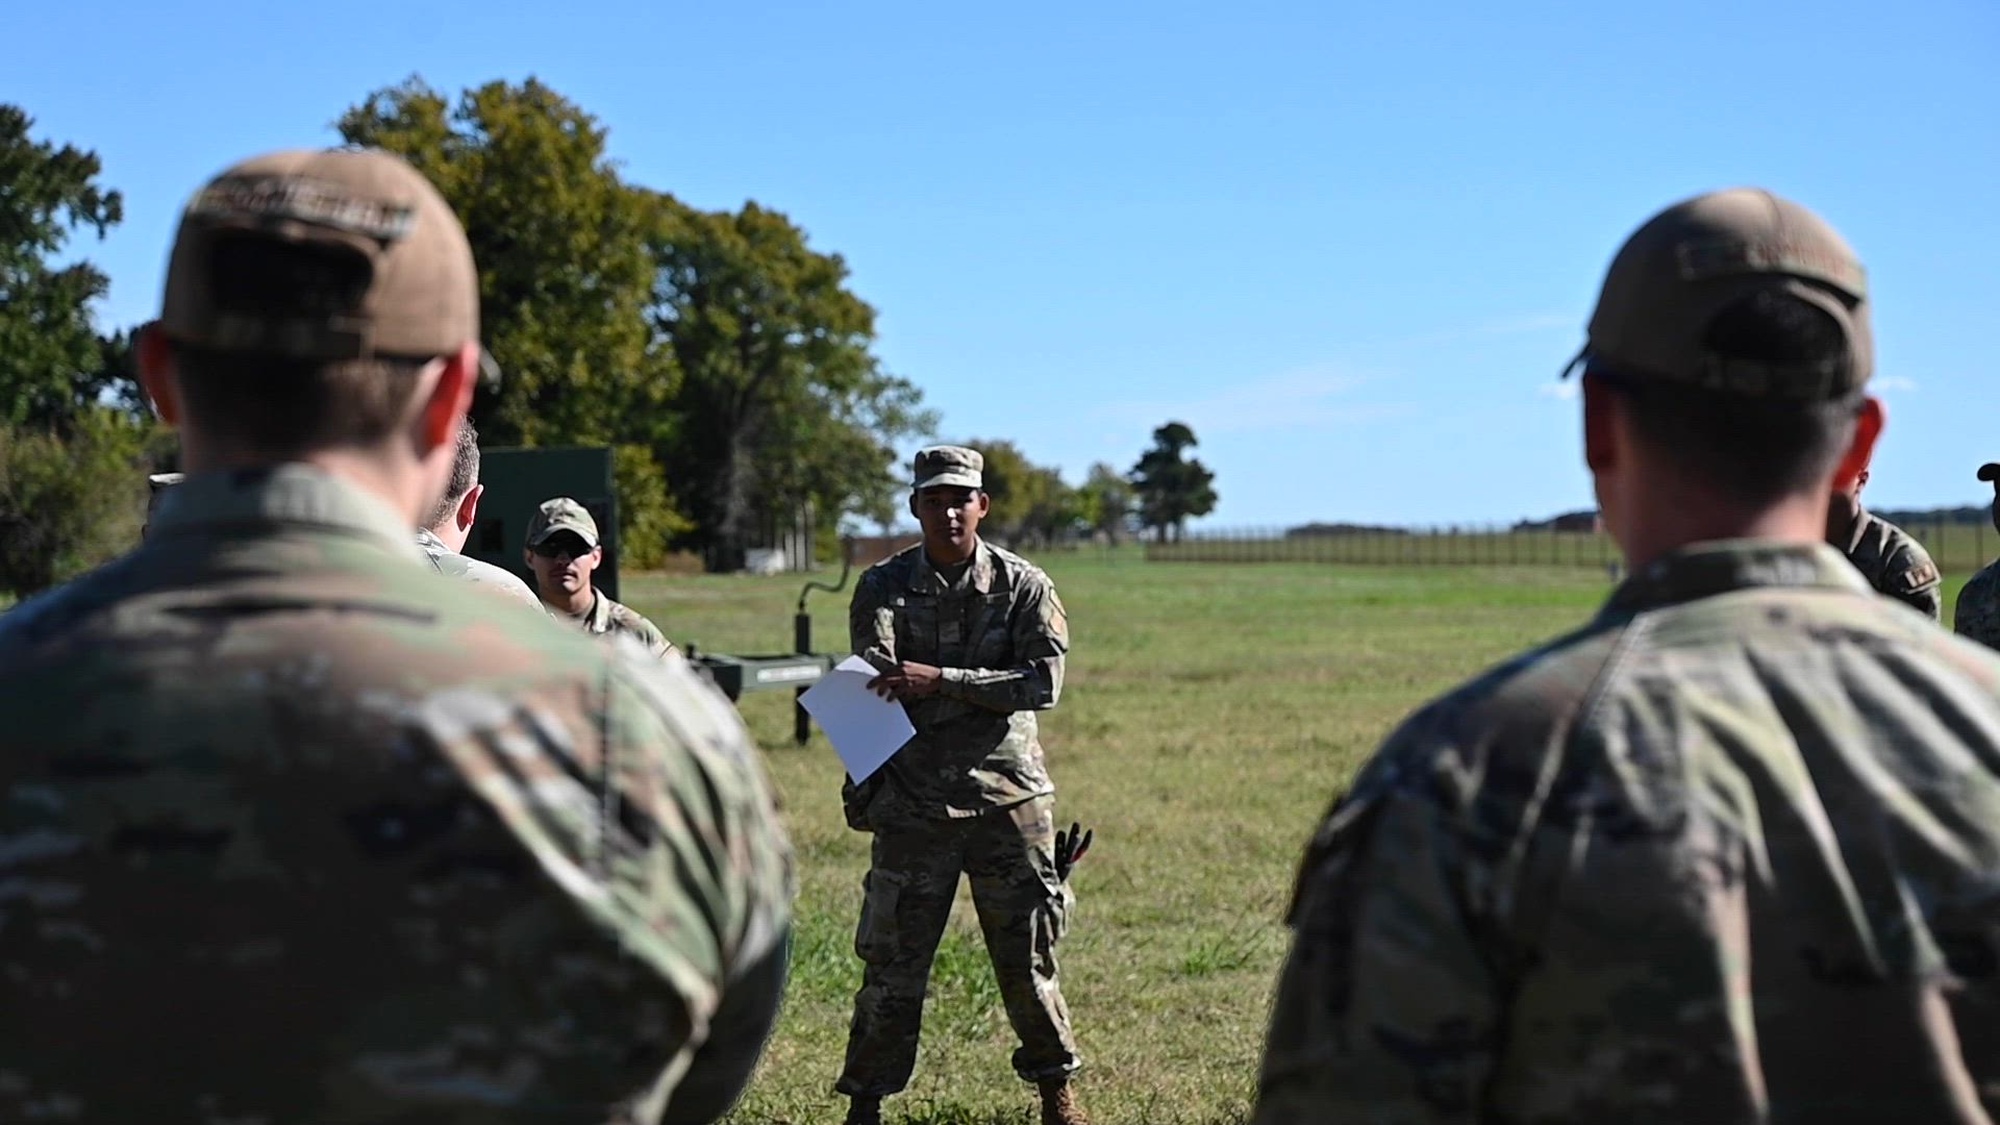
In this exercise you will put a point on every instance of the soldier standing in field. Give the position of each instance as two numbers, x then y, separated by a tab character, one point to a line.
1976	614
444	531
1725	854
297	829
563	551
1895	564
972	639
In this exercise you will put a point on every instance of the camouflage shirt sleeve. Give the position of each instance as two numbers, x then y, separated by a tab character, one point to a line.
871	620
1976	614
665	835
1040	631
1387	1008
1915	581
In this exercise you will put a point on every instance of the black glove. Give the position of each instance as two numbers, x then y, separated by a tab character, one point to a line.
1070	847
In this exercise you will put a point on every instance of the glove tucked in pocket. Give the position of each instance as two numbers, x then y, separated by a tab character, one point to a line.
878	937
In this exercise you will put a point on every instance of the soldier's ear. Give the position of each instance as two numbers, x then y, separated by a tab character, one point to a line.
468	506
156	373
1600	426
1868	424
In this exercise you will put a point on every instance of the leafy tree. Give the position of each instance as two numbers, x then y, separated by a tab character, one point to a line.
781	403
1031	503
560	240
1171	486
1107	501
565	274
71	501
52	363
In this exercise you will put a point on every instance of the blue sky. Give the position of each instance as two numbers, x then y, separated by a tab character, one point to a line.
1350	244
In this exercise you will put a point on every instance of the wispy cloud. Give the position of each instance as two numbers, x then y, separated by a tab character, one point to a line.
1895	384
1563	389
1313	397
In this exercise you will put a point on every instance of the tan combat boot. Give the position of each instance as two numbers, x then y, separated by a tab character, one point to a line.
864	1111
1059	1104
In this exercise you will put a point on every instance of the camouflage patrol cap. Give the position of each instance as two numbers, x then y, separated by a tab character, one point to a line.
1702	255
558	515
416	292
948	466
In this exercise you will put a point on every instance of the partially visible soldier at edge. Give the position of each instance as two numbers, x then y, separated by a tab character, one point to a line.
563	551
409	855
972	640
1892	561
1726	853
443	533
1976	613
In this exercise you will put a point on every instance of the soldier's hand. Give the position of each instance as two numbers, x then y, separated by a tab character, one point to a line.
1070	846
908	680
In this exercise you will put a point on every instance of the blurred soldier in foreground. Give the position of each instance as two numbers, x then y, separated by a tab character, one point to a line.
972	639
1976	614
298	830
563	550
442	536
1895	564
1726	854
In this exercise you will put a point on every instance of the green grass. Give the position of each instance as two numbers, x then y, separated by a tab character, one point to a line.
1210	714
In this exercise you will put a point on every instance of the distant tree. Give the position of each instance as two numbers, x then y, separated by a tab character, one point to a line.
1107	500
1032	504
1171	486
782	402
53	365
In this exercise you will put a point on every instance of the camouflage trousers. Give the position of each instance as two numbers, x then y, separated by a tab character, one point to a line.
1008	855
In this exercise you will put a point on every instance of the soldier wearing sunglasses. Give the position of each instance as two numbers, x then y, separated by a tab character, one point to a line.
563	551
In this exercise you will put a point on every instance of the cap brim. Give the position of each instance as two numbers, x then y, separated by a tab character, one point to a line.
555	529
949	480
1990	471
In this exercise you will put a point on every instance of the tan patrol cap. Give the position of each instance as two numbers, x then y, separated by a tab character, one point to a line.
416	293
1698	257
558	515
948	466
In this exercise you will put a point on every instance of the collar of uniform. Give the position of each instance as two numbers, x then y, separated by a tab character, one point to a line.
928	580
1705	569
430	544
1860	528
598	617
281	494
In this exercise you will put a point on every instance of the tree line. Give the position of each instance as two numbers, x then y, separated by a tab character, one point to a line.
722	357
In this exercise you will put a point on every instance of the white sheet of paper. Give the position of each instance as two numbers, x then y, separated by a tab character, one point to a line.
866	730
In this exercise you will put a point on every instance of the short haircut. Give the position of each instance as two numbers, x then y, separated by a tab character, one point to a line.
1749	447
464	474
282	405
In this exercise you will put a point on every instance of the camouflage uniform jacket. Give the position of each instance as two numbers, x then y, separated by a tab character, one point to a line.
482	574
605	617
1000	634
1976	614
294	829
1729	854
1895	564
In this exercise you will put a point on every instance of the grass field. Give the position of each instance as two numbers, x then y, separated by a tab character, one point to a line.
1210	714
